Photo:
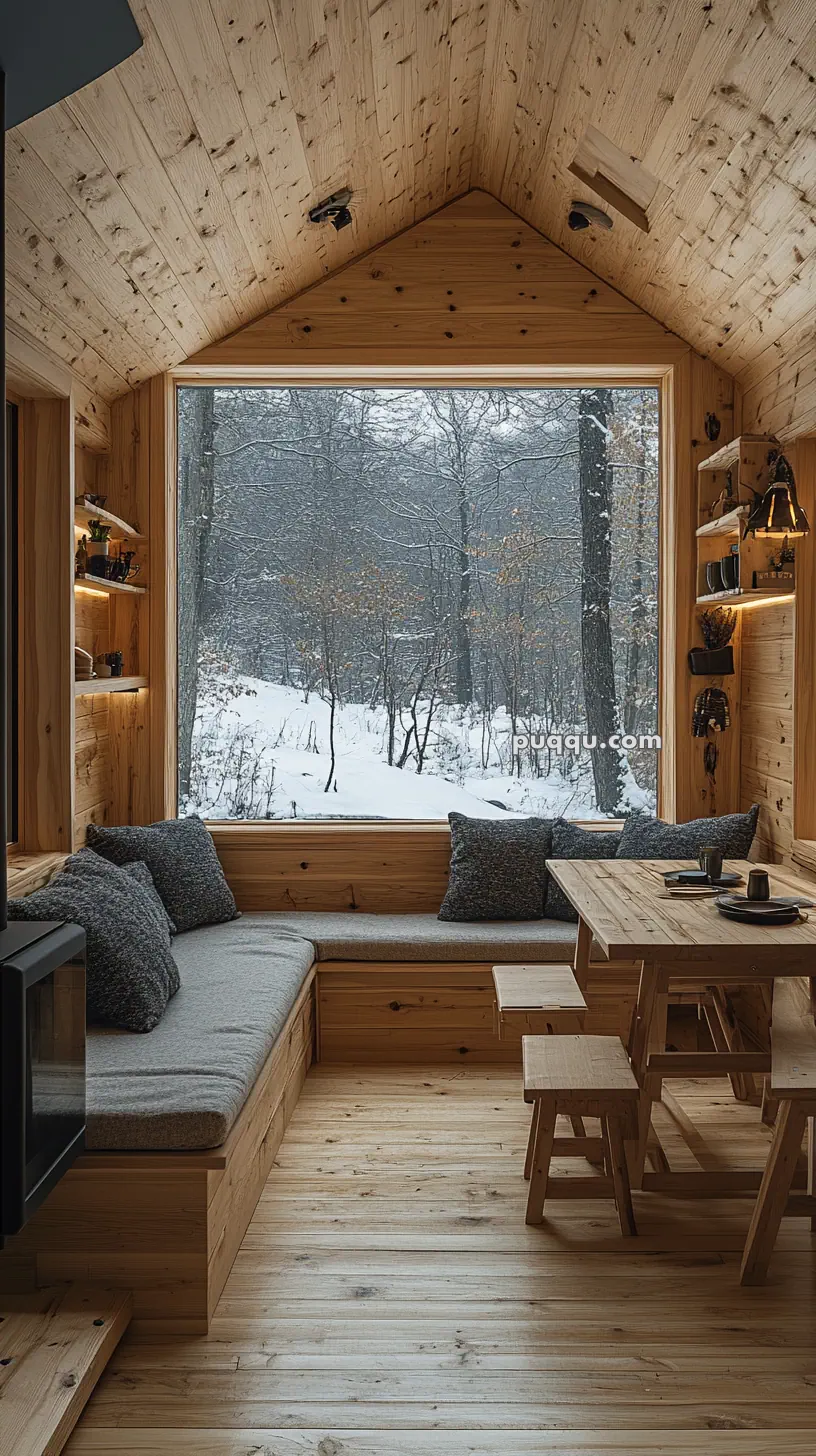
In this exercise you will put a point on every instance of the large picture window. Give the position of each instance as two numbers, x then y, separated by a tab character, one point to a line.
394	603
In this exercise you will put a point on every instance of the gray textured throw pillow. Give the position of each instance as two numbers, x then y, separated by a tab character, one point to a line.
88	862
181	857
570	841
131	974
497	869
645	838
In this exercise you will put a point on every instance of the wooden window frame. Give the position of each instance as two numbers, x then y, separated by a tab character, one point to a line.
672	636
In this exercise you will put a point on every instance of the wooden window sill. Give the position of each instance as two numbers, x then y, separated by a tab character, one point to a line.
27	872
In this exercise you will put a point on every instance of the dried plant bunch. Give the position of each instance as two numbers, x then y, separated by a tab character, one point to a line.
717	627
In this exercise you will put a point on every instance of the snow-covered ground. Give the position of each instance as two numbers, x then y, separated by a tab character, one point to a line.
261	750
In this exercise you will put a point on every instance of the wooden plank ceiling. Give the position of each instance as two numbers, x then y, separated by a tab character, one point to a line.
163	206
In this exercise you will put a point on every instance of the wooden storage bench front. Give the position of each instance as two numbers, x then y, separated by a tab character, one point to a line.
397	1011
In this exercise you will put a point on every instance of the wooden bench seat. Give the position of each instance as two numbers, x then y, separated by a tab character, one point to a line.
793	1085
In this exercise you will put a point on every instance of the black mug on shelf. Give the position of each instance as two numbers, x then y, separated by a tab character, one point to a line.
729	572
713	576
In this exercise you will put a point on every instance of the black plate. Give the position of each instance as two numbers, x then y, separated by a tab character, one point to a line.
751	917
777	903
699	877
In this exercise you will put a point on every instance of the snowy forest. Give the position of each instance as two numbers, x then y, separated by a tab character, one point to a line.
382	590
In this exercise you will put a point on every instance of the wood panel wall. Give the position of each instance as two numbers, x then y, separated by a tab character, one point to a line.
376	867
125	743
778	758
766	760
696	389
46	754
472	284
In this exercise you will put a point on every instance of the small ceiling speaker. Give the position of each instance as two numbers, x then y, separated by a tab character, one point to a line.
334	209
584	214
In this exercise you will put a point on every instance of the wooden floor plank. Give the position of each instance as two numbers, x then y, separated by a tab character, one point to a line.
388	1300
318	1442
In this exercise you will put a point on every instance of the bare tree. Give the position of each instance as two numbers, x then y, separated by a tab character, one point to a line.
196	491
598	665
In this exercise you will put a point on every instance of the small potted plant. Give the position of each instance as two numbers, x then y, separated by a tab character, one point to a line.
98	548
716	659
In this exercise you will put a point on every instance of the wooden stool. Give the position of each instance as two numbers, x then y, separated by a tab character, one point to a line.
539	1000
793	1089
582	1076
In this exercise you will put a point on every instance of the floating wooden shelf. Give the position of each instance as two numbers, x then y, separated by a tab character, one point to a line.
85	512
741	598
729	454
108	685
728	525
101	583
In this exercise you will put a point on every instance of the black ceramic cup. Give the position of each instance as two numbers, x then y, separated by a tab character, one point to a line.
710	860
759	885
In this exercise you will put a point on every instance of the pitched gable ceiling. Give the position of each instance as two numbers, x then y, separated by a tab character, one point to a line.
164	206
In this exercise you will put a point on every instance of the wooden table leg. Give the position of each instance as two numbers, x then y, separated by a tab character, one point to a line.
773	1192
649	1035
583	950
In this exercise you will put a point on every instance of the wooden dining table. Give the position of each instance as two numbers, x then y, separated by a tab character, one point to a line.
686	948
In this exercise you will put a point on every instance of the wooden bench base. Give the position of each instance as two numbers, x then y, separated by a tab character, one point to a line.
415	1012
167	1226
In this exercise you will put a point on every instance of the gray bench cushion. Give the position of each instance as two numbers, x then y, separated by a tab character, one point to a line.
183	1084
352	936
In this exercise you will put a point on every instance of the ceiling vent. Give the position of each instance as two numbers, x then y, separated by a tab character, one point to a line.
624	184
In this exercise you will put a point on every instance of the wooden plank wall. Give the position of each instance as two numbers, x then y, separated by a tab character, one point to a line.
368	867
46	626
697	388
369	1011
472	284
766	766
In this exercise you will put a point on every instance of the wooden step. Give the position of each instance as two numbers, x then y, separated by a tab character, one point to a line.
54	1345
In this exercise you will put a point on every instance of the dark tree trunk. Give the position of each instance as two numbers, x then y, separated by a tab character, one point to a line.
631	707
464	668
595	481
196	498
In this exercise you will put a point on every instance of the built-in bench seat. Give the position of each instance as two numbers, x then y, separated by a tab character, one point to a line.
185	1121
182	1085
351	935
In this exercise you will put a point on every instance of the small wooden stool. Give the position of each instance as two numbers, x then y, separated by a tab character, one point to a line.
537	1000
582	1076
